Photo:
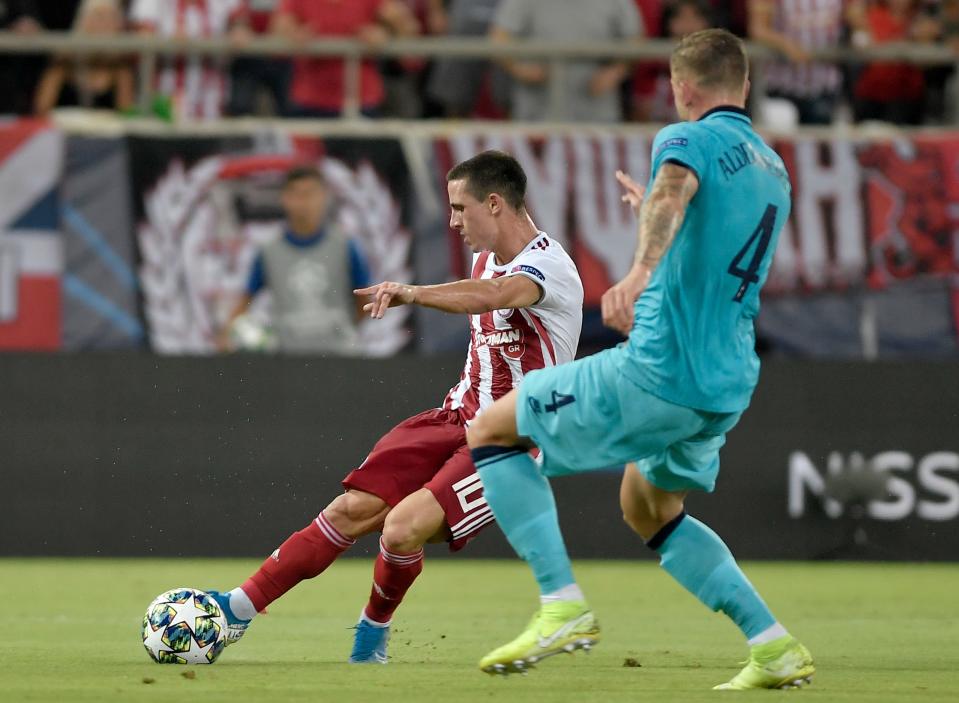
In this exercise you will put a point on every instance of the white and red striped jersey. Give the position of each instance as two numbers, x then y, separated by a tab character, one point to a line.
196	84
813	24
506	344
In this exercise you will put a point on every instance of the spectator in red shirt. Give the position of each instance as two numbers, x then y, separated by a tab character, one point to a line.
887	91
318	88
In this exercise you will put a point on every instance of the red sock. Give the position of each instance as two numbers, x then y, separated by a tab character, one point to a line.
304	555
392	577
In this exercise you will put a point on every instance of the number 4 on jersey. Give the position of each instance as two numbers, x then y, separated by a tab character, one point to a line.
750	275
559	400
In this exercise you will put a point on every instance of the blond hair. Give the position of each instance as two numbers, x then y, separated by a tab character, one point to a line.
715	59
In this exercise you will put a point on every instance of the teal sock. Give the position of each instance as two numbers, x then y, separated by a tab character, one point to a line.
522	501
695	556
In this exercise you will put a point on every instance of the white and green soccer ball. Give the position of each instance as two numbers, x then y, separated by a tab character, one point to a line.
250	334
184	626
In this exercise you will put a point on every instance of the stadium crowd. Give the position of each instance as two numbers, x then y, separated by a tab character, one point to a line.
611	91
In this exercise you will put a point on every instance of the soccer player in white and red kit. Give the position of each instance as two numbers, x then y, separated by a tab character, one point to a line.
418	485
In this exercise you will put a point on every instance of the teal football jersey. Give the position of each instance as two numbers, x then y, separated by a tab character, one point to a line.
693	341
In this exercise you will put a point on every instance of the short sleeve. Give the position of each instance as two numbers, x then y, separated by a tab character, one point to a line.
682	144
515	17
359	267
542	268
257	280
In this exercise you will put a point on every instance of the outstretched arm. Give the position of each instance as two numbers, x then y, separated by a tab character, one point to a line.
468	296
661	215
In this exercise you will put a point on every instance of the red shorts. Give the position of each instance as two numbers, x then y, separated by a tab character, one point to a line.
428	451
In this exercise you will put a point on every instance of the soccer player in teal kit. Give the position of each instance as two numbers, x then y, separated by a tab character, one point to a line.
663	401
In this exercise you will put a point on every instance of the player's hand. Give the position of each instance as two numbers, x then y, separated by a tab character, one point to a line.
386	295
617	303
634	192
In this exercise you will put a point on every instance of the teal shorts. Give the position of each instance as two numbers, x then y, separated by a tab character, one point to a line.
585	416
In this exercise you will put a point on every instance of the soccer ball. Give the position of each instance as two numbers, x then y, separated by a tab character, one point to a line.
248	334
184	626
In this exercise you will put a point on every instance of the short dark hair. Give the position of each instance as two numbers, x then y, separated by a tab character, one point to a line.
713	58
492	172
302	172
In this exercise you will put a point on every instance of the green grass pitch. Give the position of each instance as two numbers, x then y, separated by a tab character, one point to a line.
69	631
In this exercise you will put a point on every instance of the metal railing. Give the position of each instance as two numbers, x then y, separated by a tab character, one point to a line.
149	49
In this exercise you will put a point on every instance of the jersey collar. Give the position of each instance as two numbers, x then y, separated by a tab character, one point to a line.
304	242
539	239
737	112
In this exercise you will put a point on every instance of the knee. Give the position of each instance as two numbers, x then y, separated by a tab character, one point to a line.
355	513
638	519
402	535
477	434
646	518
483	432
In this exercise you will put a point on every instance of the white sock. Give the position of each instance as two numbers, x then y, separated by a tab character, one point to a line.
570	592
241	605
364	618
773	632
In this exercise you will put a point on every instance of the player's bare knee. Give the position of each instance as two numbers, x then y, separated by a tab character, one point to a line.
639	521
476	434
647	517
482	432
356	513
402	535
338	515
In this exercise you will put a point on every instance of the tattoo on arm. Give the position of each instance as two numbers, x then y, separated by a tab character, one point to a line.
663	211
